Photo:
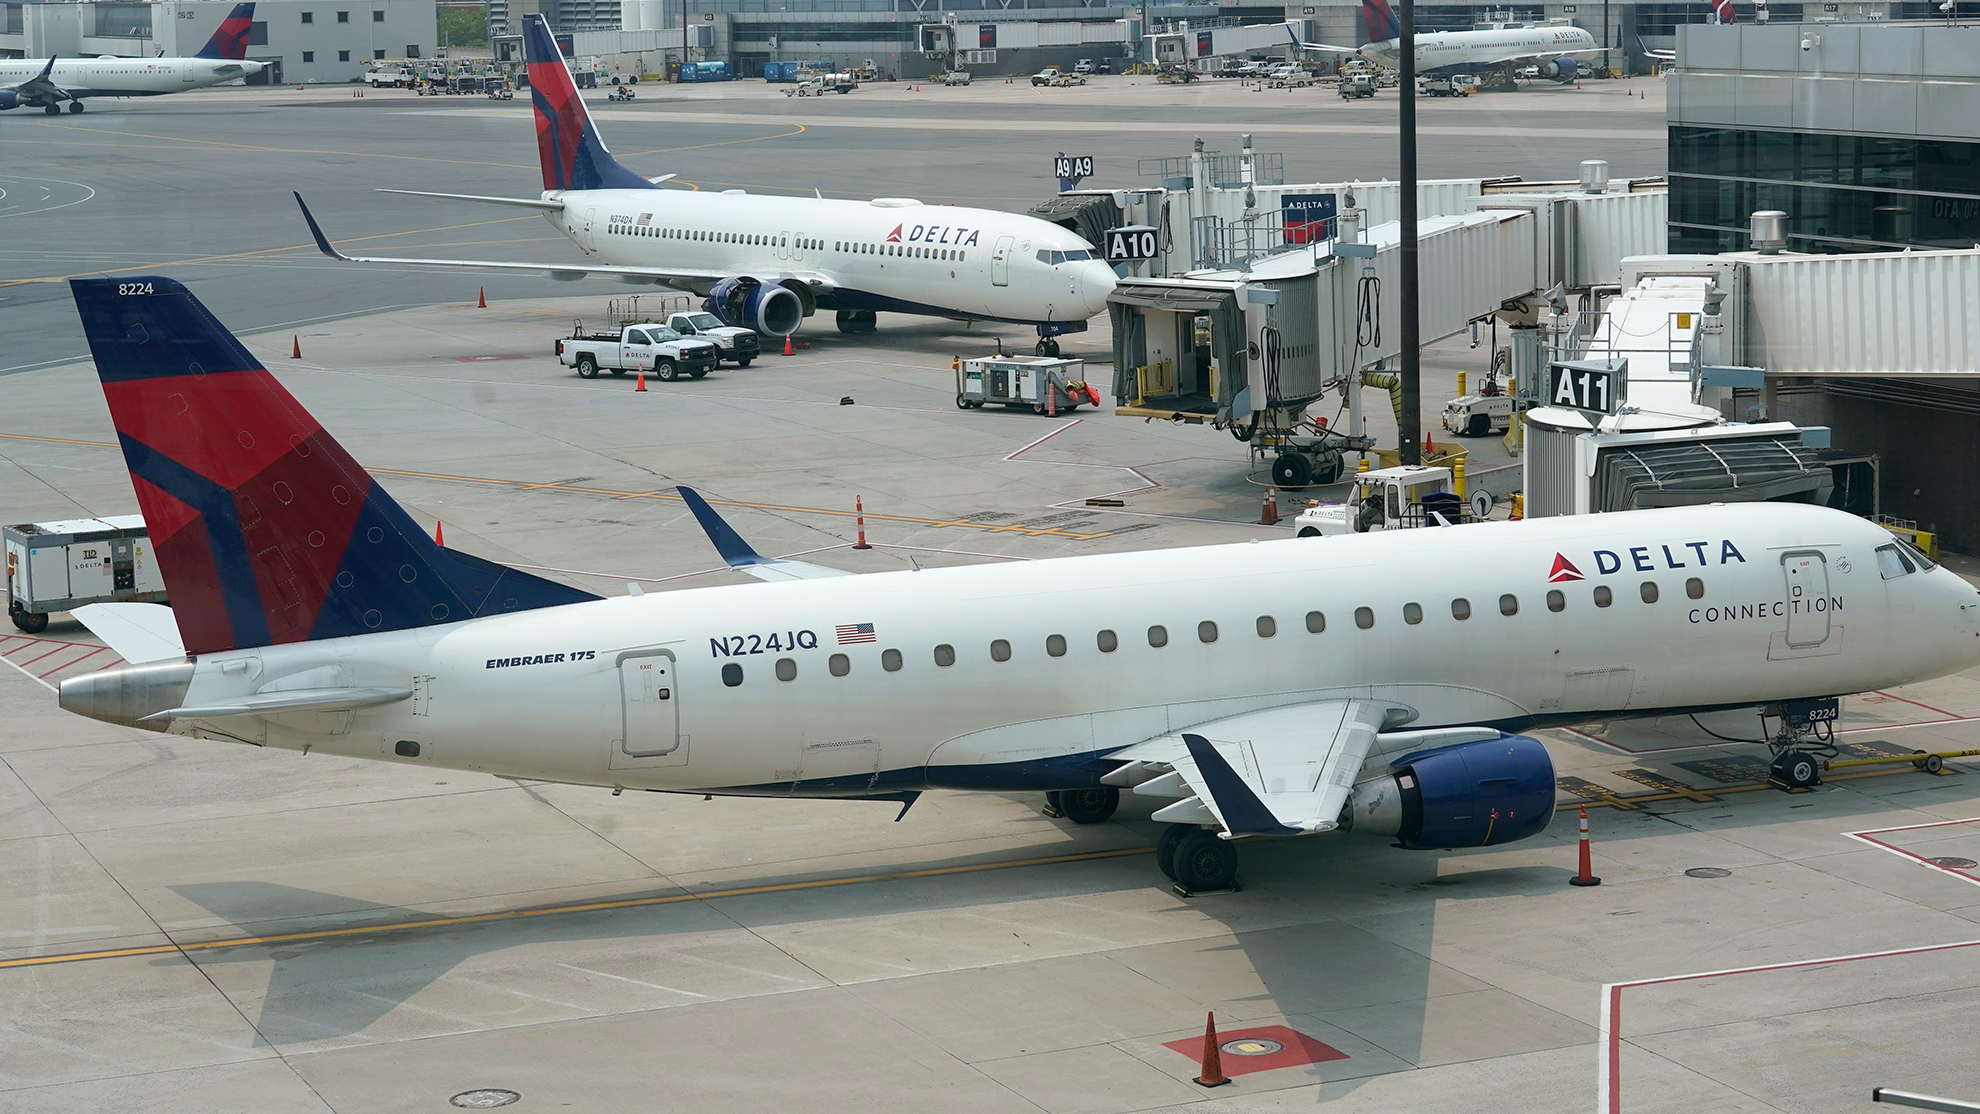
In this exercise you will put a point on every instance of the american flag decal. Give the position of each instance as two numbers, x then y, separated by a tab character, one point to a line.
644	219
853	633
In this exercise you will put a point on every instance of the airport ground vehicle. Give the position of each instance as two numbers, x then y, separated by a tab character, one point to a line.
388	77
1288	76
1357	86
60	566
956	77
501	93
1403	498
1067	81
622	93
1478	415
1443	87
1045	76
737	345
1083	66
649	347
1043	384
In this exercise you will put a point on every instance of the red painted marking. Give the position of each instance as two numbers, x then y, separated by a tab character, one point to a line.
1299	1050
1612	1099
1927	707
78	661
59	647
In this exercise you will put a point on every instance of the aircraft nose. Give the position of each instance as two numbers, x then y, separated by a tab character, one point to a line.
1095	284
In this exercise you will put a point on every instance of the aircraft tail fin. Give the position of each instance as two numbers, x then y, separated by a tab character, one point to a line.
1382	21
265	529
230	41
567	144
1724	10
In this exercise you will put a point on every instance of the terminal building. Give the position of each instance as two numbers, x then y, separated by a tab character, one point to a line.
303	41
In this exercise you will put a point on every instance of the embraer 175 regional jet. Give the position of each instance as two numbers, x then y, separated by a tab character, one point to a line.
767	263
1552	45
46	86
1360	683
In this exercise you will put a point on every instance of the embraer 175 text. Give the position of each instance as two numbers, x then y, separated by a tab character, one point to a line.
767	263
1282	688
1552	45
47	85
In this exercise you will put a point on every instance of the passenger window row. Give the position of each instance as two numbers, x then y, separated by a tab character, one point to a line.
1107	641
759	239
904	251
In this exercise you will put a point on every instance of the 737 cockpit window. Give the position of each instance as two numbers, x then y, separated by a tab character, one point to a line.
1892	564
1056	257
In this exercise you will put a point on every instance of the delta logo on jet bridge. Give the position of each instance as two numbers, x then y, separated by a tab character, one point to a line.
1608	562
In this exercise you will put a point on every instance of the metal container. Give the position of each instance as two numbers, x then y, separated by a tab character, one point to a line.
60	566
1768	230
1552	479
1891	313
1594	175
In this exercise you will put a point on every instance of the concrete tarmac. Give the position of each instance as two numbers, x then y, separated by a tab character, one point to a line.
191	925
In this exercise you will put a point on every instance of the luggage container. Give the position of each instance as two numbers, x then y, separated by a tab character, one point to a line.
60	566
1045	384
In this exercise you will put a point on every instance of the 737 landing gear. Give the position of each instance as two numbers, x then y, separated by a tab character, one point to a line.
857	321
1048	346
75	107
1094	805
52	109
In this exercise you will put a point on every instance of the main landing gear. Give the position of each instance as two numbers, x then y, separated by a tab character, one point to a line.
857	321
1191	857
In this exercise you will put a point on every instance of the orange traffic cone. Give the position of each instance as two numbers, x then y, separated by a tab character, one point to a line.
1213	1060
642	381
481	300
859	509
439	535
788	350
295	348
1269	515
1587	875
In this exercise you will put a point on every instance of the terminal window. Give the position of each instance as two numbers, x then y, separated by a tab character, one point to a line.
343	17
343	56
308	17
309	56
377	17
378	55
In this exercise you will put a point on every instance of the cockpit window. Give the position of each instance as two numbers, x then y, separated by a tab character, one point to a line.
1924	563
1057	257
1077	255
1892	564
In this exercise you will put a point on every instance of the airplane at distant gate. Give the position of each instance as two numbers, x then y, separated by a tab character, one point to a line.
1553	46
767	263
1363	683
46	86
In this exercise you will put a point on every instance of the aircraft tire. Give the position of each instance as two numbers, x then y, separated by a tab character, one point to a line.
1205	863
1089	806
31	622
51	109
1165	848
75	107
848	321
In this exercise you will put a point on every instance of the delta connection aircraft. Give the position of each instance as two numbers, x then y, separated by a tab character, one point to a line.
46	86
767	263
1552	45
1269	689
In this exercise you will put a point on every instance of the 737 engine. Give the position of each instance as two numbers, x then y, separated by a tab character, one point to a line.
750	303
9	99
1560	69
1467	795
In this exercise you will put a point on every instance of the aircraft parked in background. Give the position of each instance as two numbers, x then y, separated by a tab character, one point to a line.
1552	45
768	262
46	86
1273	689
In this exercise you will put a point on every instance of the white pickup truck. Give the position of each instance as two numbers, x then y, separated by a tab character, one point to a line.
645	347
739	346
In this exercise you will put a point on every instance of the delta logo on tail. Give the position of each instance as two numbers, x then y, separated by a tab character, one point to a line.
573	156
1564	571
1381	20
230	41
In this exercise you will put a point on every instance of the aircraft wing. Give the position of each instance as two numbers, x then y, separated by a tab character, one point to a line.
689	277
1323	48
739	554
41	89
1279	772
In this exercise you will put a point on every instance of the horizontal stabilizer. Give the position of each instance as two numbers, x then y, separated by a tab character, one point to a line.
290	700
739	555
138	632
550	204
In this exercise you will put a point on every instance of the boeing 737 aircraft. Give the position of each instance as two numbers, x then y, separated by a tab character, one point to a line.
767	263
1554	46
1278	688
46	86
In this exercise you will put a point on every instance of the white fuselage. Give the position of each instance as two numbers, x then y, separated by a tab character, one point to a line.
899	256
1456	48
568	694
128	77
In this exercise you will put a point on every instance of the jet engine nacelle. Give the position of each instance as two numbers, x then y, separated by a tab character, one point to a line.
751	303
1468	795
1561	69
9	99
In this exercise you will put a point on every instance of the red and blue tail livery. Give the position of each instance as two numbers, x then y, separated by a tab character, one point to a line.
265	529
230	41
1381	19
573	156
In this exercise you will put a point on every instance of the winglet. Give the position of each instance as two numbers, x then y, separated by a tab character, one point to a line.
47	69
1244	814
728	543
322	241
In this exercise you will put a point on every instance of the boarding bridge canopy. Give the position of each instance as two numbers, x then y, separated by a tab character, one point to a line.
1692	473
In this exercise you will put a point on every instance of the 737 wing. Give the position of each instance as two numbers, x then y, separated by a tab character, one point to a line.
1323	48
40	90
686	278
1279	772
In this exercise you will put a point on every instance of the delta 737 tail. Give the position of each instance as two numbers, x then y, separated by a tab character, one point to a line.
265	529
567	144
230	39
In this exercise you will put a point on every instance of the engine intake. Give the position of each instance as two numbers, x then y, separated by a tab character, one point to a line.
1561	69
1468	795
9	99
751	303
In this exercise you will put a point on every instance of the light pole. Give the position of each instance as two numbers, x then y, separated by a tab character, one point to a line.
1409	437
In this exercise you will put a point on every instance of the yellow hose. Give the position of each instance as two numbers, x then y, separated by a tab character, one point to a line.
1392	383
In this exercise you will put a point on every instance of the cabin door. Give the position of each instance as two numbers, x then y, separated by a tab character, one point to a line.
1807	575
652	719
1000	261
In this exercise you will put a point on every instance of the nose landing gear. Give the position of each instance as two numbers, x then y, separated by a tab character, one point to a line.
1805	739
